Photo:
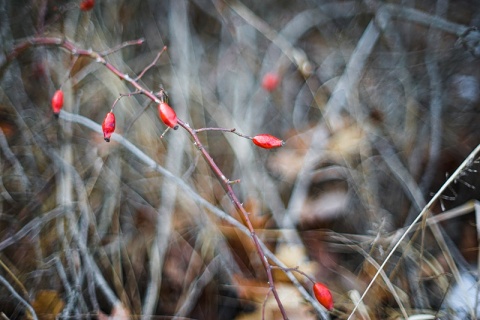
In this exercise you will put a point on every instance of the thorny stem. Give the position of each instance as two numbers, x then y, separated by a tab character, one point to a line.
226	183
227	186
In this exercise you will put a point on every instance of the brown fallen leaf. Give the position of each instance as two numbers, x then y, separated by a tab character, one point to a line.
47	304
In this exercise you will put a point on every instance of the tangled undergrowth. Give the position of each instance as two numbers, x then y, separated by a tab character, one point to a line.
373	195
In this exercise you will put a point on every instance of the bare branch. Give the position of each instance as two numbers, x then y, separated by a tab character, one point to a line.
18	297
121	46
151	64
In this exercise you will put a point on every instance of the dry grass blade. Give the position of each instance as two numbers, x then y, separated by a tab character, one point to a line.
467	162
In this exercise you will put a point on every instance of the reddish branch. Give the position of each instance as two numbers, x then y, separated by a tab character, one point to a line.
226	183
227	186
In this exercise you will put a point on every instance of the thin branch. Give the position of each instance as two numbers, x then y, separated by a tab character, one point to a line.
420	17
196	288
265	303
296	269
121	46
215	129
151	64
18	297
296	55
238	205
33	225
385	278
233	130
122	95
10	156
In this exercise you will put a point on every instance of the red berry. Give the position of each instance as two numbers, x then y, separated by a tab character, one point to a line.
270	81
168	115
57	101
87	5
267	141
323	295
108	126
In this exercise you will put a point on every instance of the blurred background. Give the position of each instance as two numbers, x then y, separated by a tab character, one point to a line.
378	105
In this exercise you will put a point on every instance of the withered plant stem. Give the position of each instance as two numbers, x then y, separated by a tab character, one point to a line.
225	182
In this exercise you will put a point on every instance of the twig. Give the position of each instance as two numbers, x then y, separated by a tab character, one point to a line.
396	167
151	64
121	46
382	273
122	95
296	55
295	269
197	286
459	211
34	225
420	17
13	160
18	297
14	277
216	129
63	277
74	50
265	303
224	130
